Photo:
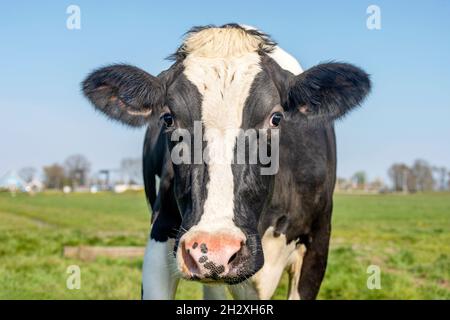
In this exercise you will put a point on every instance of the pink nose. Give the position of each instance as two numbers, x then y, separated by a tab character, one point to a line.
206	255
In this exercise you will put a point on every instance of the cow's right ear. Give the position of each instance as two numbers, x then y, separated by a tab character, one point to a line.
124	93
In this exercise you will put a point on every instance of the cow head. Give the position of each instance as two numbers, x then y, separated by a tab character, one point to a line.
223	79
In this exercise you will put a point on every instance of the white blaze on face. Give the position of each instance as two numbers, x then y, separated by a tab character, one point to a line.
222	64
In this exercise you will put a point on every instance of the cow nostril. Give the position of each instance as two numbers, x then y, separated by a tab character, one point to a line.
189	261
232	258
235	256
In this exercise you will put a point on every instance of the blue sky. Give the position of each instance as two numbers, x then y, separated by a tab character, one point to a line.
45	119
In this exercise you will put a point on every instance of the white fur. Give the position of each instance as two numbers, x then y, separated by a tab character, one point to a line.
159	275
294	271
277	255
284	59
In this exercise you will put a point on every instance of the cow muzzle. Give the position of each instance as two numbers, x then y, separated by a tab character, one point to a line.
213	257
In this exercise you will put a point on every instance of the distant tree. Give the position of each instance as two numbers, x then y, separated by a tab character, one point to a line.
54	176
77	169
27	173
131	168
411	181
424	175
395	172
402	178
360	178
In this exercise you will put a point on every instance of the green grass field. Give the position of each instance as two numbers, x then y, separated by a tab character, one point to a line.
407	236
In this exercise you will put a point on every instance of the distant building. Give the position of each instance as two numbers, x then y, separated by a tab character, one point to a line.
119	188
34	186
351	186
12	182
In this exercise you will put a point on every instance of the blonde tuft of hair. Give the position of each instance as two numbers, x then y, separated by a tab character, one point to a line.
223	42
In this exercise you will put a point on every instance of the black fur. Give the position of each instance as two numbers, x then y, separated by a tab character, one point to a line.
124	93
328	91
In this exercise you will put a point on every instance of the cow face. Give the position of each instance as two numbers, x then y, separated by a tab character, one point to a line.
224	87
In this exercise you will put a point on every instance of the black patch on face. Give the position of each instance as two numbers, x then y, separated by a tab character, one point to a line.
194	245
262	98
190	187
156	162
253	191
203	259
184	101
203	248
190	180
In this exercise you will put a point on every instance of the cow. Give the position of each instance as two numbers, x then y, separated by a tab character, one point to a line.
222	223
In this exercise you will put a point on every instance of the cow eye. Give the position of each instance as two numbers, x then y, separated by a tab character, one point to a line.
275	119
168	119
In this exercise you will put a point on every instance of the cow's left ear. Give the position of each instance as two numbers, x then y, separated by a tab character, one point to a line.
328	91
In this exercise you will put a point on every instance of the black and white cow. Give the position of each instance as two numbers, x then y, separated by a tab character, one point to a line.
220	222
